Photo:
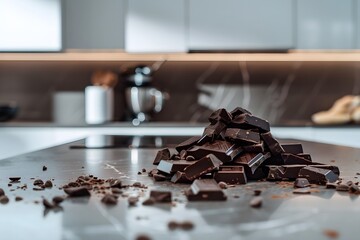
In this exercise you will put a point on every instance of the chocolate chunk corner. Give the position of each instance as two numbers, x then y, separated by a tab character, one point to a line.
163	154
161	196
205	190
77	192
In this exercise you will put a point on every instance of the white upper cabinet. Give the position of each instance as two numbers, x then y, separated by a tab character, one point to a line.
241	24
155	26
326	24
93	24
30	25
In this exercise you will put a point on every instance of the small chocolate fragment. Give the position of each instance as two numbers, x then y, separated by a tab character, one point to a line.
256	202
185	145
133	200
238	111
202	167
242	136
223	185
302	191
172	166
172	225
247	121
253	163
58	199
291	159
109	199
18	198
160	177
342	187
205	190
4	199
273	145
2	193
179	177
186	225
38	188
77	192
38	182
48	184
148	202
44	168
14	179
115	183
220	115
163	154
318	175
47	204
143	170
116	191
231	175
294	148
301	183
331	185
161	196
139	173
137	184
143	237
257	192
330	233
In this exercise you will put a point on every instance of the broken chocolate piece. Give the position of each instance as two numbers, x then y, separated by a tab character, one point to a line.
148	202
202	167
77	192
38	182
290	159
18	198
58	199
257	192
44	168
132	201
4	199
238	111
186	225
14	179
163	154
48	184
294	148
47	204
205	190
186	144
231	175
342	187
301	183
254	162
318	175
273	145
172	166
109	199
242	136
223	150
247	121
220	115
211	132
222	185
161	196
179	177
256	202
115	183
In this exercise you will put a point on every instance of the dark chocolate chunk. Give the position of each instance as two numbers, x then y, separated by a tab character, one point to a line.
139	173
163	154
172	166
143	237
143	170
331	185
255	162
109	199
255	148
137	184
247	121
133	200
202	167
58	199
302	191
38	182
238	111
148	202
4	199
186	144
290	159
220	115
115	183
205	190
342	187
242	136
294	148
161	196
231	175
273	145
179	177
186	225
223	150
212	132
301	183
160	177
14	179
2	193
48	184
116	191
172	225
256	202
44	168
318	175
77	192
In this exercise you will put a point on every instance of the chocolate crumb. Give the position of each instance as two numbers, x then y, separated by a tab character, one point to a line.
137	184
14	179
149	201
172	225
116	183
58	199
109	199
139	173
257	192
330	233
116	191
187	225
48	184
143	170
9	184
223	185
132	201
44	168
256	202
38	182
143	237
47	204
4	199
18	198
77	192
342	187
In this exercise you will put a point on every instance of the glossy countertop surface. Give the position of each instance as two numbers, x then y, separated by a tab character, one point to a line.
284	215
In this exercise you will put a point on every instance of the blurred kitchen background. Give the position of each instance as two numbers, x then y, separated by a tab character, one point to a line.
174	62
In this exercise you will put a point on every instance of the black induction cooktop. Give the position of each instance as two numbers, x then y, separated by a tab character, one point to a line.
120	141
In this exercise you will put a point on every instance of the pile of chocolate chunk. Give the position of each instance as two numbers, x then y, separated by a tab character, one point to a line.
237	147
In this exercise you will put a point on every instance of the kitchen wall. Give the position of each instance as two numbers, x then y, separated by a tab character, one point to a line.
285	93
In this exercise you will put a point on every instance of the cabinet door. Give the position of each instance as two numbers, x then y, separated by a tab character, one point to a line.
240	24
155	26
325	24
93	24
32	25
